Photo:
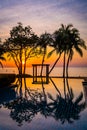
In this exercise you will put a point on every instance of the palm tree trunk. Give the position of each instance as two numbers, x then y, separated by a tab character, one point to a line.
54	64
55	87
45	97
68	88
43	62
67	66
64	64
64	87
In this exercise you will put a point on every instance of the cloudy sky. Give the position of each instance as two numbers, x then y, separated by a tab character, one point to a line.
43	15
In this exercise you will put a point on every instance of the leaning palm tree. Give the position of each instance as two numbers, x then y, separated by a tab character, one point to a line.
57	47
44	40
64	30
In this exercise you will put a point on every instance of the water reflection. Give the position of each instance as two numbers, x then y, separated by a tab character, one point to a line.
66	108
30	102
85	92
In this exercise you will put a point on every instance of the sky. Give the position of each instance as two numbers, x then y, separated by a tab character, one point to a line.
45	15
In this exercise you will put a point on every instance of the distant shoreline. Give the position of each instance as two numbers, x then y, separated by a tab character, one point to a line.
30	76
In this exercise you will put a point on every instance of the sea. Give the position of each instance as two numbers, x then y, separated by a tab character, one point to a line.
57	71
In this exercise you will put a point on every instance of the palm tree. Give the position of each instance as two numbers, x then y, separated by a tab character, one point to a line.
75	43
66	109
57	47
66	39
44	40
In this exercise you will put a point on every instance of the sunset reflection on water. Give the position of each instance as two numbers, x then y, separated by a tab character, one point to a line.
43	95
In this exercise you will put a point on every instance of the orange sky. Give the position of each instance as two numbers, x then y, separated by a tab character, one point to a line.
76	61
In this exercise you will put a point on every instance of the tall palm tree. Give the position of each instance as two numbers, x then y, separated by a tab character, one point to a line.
44	40
65	40
57	47
75	43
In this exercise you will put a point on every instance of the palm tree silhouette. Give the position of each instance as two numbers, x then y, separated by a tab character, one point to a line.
75	43
66	39
66	109
44	40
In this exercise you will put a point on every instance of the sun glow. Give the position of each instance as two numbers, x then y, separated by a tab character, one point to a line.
23	62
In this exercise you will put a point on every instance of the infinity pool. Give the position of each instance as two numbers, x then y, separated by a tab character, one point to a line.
58	105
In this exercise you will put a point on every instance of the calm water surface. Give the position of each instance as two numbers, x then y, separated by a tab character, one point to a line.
57	71
58	105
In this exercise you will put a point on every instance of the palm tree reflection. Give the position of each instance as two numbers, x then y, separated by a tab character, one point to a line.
66	109
62	108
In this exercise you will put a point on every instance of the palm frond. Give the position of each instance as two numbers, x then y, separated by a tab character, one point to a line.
51	97
50	53
79	98
2	58
82	44
71	54
69	26
71	93
82	106
75	31
79	50
62	26
1	64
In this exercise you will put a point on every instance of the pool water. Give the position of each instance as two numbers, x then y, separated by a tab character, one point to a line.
58	105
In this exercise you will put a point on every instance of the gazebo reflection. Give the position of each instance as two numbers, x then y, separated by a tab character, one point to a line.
38	76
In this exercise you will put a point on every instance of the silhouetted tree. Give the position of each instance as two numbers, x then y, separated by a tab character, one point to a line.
21	45
44	40
75	43
57	47
66	39
66	109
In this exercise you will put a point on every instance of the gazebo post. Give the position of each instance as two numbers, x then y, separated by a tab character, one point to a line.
47	73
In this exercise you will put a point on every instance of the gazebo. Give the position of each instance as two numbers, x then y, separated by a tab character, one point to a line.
40	73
